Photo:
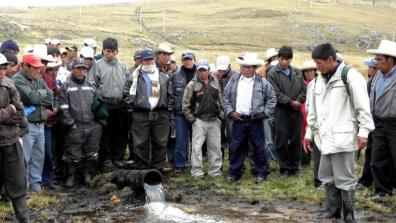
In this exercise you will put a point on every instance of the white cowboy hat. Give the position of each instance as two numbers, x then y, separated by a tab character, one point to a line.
271	52
163	47
54	64
40	50
386	47
308	65
250	59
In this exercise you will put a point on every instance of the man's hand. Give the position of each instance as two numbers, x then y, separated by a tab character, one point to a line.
50	112
236	116
296	105
307	145
172	123
74	126
362	142
13	108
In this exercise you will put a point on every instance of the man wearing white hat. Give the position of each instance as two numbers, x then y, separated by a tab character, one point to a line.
248	99
290	89
89	59
383	108
163	53
271	59
54	43
340	123
223	74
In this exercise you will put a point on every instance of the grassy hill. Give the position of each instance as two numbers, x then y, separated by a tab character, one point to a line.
214	27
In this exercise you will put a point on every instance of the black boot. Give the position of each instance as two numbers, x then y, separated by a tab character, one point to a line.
333	197
71	169
348	205
88	167
21	209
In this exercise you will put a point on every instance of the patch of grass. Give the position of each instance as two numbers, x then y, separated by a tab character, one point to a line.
37	201
299	188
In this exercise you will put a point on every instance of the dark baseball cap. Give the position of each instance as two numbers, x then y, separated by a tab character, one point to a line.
188	54
79	63
147	54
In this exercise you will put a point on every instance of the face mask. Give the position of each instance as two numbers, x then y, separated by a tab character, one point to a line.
149	68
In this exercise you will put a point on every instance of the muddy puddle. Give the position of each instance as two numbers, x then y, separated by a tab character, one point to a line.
185	206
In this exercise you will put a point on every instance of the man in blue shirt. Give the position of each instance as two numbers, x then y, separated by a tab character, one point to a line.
383	108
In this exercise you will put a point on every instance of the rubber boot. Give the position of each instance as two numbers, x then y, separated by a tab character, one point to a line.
334	201
21	210
71	169
348	205
88	166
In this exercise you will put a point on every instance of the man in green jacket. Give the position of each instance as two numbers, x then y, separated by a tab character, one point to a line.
37	97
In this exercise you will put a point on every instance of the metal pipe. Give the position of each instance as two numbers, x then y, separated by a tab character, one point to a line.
136	178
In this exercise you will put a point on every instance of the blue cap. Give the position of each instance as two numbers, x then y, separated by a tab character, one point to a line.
10	45
370	62
203	64
147	54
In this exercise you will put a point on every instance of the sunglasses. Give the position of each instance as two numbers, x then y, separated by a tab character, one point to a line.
248	67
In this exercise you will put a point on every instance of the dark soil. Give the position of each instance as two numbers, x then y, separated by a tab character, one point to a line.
99	205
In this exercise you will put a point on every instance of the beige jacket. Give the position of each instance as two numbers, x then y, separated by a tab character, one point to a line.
336	117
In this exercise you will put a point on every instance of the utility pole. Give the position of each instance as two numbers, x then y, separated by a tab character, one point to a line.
163	15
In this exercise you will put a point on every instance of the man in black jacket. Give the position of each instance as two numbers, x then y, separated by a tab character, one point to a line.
82	139
148	93
179	82
290	89
12	123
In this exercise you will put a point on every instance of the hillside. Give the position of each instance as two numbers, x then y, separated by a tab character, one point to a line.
212	27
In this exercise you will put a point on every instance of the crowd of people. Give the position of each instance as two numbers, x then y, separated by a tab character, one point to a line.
68	113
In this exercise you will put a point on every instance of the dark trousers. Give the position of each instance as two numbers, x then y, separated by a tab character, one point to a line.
48	169
12	170
114	135
367	177
82	143
316	159
241	132
150	132
288	124
383	157
58	147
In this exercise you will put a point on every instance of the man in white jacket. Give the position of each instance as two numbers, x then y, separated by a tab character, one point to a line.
339	113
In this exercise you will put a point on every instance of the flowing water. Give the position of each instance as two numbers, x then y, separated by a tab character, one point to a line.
159	211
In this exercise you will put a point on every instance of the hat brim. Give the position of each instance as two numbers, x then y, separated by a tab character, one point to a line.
308	68
222	67
160	50
36	64
80	65
271	56
148	58
256	62
203	66
382	52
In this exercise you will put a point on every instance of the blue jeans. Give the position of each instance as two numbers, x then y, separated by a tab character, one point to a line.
181	149
48	169
241	131
33	150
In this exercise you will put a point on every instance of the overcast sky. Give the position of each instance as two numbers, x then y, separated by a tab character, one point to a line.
51	3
